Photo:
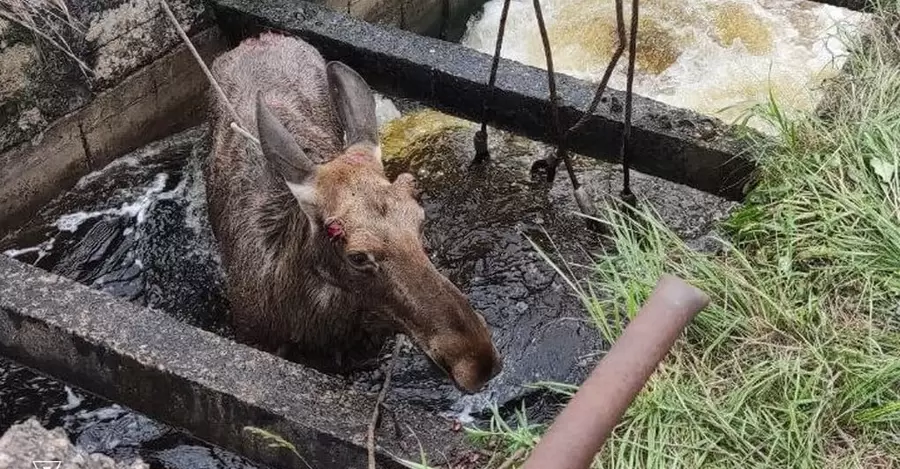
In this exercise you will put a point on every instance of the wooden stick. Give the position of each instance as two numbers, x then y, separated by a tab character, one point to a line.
243	132
587	421
370	440
512	459
237	125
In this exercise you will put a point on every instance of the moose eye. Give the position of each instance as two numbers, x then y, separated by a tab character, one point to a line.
361	260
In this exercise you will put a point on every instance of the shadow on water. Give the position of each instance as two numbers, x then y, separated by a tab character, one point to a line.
138	230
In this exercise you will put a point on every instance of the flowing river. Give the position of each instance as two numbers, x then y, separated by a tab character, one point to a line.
715	57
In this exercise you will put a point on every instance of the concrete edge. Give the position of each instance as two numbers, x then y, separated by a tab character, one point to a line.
672	143
117	121
197	381
857	5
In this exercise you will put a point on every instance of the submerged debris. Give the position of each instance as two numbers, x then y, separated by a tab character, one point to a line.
29	444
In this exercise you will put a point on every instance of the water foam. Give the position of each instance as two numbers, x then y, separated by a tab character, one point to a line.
715	57
385	110
42	250
136	209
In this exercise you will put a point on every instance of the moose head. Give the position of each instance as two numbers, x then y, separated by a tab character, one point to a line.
375	227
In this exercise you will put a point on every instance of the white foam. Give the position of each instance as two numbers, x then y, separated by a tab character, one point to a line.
72	400
801	47
136	209
469	404
19	252
42	249
385	110
132	160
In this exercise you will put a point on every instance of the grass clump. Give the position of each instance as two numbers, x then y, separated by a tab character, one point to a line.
796	363
49	20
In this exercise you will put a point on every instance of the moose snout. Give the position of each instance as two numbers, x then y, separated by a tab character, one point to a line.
472	373
439	318
468	356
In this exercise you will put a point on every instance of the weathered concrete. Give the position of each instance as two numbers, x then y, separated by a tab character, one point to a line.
196	380
445	19
113	39
24	444
671	143
858	5
115	122
57	123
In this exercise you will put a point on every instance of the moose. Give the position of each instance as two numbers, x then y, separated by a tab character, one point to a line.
323	255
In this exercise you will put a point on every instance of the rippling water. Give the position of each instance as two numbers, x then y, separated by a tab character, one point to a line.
712	56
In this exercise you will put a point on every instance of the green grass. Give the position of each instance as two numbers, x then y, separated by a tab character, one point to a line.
796	363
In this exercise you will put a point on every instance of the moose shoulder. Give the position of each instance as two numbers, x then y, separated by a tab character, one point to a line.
323	254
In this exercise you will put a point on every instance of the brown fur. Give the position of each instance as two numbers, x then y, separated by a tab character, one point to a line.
290	285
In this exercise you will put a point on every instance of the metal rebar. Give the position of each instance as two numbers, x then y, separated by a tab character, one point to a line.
625	153
607	74
481	151
561	152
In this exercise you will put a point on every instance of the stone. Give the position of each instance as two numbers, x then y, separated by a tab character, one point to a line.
29	444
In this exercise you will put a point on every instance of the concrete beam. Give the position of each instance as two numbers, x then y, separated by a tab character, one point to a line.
858	5
671	143
196	380
164	97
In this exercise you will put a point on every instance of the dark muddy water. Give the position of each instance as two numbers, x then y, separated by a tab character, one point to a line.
138	230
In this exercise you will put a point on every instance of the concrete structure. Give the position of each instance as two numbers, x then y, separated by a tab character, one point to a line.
116	121
671	143
445	19
58	122
212	386
196	380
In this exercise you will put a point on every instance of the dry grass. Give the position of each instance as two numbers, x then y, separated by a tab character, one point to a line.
48	20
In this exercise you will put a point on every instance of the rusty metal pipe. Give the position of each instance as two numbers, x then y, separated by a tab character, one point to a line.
583	426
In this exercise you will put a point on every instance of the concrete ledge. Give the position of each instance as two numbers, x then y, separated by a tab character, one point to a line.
196	380
671	143
162	98
858	5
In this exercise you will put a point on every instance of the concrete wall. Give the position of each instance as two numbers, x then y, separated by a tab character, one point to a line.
671	143
60	119
40	84
201	382
111	123
445	19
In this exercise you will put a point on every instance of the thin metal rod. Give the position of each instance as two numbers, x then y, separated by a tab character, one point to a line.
209	75
236	125
625	153
617	54
496	63
554	99
481	139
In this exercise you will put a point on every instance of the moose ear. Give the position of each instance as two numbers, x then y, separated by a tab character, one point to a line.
355	104
284	154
